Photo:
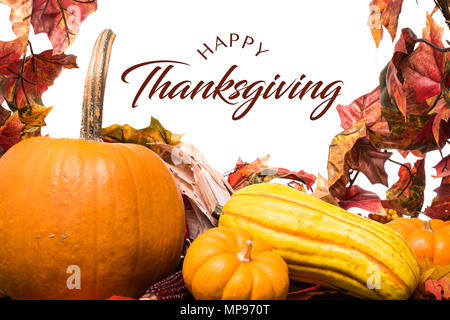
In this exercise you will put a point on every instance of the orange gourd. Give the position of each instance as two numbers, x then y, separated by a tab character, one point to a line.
229	263
84	219
430	239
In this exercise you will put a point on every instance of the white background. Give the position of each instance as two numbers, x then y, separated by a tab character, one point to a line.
326	40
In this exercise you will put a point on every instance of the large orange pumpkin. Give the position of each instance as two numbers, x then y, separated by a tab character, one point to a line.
231	264
83	219
430	239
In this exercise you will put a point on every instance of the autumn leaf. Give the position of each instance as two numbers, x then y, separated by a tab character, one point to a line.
339	147
11	51
409	189
60	20
367	107
155	132
357	197
440	205
322	192
351	150
384	13
424	67
412	133
10	132
443	168
4	114
23	82
434	281
259	171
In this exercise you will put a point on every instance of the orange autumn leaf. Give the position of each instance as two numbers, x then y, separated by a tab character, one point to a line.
384	13
60	20
11	51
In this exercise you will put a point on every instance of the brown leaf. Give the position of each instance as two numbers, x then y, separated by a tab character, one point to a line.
60	20
389	11
340	146
155	132
369	160
409	189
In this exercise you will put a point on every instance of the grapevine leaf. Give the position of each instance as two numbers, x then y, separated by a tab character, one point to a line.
409	189
155	132
386	14
60	20
10	132
11	51
356	196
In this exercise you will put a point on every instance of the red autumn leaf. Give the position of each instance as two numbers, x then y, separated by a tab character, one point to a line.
440	289
357	197
392	78
366	107
440	206
10	132
243	170
384	13
424	67
409	189
440	122
25	88
258	171
11	51
60	20
443	168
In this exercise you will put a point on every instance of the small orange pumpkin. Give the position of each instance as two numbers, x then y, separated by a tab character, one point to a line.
231	264
84	219
430	239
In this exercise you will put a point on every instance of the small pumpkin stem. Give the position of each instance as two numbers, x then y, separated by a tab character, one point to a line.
245	255
427	226
94	87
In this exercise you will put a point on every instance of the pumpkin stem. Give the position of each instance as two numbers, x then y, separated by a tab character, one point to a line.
245	255
427	226
94	87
